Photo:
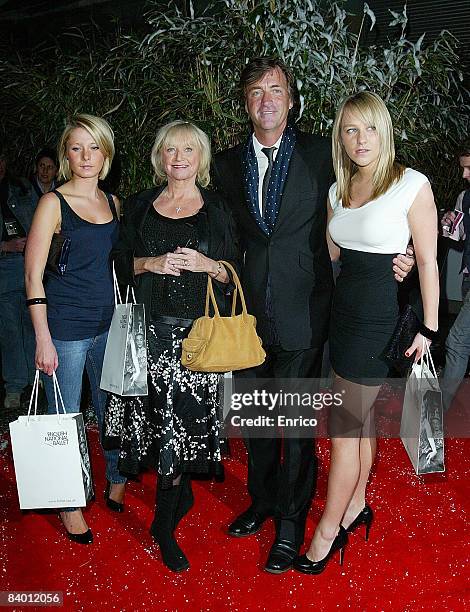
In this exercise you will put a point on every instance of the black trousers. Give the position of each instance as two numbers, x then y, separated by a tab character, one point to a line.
282	473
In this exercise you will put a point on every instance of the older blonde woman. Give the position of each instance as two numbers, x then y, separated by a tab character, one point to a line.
373	208
72	313
172	237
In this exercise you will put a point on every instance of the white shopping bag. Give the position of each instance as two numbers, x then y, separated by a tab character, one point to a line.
124	369
50	454
422	427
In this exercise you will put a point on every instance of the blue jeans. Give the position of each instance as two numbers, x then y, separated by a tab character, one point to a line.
74	356
457	349
17	345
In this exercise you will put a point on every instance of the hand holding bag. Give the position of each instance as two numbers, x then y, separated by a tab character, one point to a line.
422	427
50	455
407	327
223	344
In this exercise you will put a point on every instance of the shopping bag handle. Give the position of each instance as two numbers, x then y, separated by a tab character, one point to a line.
426	358
34	395
117	293
55	382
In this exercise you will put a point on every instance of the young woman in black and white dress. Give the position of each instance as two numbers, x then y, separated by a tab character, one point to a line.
373	208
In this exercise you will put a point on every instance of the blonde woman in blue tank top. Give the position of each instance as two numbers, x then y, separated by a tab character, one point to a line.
72	313
373	209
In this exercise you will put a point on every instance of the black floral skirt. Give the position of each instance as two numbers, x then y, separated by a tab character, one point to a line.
176	428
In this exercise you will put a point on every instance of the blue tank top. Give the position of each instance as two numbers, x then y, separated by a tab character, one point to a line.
81	302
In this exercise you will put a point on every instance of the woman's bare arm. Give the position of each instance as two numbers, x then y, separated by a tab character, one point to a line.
46	220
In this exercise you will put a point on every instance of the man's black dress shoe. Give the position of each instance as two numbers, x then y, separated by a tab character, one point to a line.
281	556
248	523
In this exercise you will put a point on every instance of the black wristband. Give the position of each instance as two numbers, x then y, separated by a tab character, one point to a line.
33	301
428	333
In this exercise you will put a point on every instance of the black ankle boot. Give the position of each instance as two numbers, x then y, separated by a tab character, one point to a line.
163	526
186	500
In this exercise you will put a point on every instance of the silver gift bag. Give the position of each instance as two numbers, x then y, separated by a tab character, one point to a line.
124	369
422	427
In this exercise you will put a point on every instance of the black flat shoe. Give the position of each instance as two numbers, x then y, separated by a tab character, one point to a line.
247	524
80	538
112	505
281	556
365	517
304	565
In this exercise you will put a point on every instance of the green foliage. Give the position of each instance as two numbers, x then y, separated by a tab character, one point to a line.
188	68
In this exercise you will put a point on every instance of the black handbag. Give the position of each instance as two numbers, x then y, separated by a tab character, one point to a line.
58	254
405	331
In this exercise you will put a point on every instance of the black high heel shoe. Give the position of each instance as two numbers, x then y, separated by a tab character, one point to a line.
78	538
365	517
112	505
304	565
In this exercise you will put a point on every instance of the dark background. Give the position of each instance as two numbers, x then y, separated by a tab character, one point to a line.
27	22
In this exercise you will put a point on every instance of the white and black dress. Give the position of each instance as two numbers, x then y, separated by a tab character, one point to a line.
365	306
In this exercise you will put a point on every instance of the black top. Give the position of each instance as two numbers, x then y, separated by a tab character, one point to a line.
81	302
221	242
174	296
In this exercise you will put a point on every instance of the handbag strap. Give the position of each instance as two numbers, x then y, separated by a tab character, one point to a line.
210	297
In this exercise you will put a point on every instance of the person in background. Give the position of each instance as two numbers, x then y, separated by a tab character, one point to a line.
72	313
16	333
45	172
458	340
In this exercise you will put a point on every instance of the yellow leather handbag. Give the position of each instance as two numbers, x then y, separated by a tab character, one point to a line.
223	344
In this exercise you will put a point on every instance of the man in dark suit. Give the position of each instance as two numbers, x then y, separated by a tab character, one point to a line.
277	185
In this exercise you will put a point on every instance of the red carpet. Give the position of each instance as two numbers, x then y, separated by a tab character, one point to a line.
417	556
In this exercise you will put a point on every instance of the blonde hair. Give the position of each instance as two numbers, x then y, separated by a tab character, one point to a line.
188	133
101	132
372	110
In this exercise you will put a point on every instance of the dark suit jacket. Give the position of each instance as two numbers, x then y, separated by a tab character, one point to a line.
222	243
296	254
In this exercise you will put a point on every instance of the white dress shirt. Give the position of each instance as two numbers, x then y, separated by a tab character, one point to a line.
263	163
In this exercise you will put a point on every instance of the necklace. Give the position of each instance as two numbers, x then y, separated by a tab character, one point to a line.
178	209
